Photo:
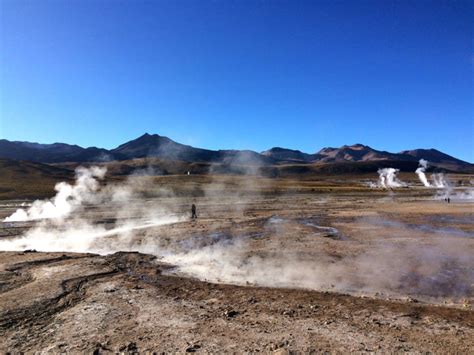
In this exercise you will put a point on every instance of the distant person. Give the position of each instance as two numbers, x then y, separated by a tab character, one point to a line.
193	211
449	200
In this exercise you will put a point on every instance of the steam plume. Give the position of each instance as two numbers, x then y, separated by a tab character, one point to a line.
67	199
439	180
388	178
443	267
63	224
421	172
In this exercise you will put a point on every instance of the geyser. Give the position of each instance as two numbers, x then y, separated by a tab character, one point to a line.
439	180
67	199
421	172
388	178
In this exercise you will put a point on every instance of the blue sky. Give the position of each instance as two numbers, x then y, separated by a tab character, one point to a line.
240	74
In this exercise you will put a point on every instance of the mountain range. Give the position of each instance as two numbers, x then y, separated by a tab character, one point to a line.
156	146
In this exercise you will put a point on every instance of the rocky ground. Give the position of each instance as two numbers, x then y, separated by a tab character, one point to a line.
350	269
124	302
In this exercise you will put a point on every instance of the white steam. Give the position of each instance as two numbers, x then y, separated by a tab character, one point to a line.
439	180
388	178
460	196
440	268
79	236
64	224
67	199
421	172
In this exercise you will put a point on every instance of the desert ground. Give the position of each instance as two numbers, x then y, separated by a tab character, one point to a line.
325	264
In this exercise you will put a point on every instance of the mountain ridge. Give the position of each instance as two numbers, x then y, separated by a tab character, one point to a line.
162	147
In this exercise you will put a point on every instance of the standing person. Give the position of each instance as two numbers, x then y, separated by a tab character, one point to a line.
193	211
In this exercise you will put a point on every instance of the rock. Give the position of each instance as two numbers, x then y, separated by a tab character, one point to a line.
230	313
131	348
100	347
193	348
252	300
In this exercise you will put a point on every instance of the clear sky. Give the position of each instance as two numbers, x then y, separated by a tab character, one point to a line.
240	74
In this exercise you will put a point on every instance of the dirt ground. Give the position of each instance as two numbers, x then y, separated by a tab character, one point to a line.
268	266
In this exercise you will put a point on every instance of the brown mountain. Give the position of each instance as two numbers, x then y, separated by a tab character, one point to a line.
289	155
433	156
164	148
357	152
52	153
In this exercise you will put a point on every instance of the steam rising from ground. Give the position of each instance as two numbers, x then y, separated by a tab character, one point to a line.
466	195
441	267
439	180
64	225
421	172
68	198
79	236
388	178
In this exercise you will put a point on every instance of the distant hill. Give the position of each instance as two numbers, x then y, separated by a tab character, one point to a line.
164	148
154	145
357	152
289	155
52	153
432	155
404	160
